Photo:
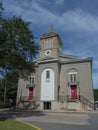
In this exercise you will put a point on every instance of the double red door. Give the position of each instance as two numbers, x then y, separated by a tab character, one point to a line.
73	91
31	93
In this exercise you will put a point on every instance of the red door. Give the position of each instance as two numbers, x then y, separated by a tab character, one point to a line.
73	91
31	93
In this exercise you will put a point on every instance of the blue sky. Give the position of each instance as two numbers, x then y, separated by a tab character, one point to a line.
76	21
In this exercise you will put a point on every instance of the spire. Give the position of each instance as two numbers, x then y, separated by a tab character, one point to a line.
52	30
50	33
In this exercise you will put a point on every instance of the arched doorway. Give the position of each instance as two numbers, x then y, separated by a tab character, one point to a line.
47	85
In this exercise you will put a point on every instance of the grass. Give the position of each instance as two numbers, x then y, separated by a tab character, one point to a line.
11	124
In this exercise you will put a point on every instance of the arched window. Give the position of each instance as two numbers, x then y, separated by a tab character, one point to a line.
47	84
72	75
47	74
48	43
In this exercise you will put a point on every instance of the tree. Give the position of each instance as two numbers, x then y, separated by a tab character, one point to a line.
96	94
11	80
1	8
17	47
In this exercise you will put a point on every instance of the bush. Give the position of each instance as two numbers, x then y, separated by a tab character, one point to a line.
3	105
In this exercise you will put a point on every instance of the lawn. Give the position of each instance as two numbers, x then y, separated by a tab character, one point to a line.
11	124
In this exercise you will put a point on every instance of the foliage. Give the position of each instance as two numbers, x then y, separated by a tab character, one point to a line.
1	8
17	46
3	105
18	49
11	81
96	94
10	124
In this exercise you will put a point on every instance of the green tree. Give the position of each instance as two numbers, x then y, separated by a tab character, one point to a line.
17	47
12	79
11	90
1	8
96	94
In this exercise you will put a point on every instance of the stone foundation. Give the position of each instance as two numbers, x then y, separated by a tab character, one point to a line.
55	106
66	106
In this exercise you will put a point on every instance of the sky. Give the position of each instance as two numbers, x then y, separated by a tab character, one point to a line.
76	21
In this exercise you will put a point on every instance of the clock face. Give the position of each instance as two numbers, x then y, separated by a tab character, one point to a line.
48	52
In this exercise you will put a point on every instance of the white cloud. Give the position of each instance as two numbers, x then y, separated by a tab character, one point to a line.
78	20
75	20
34	13
70	20
68	52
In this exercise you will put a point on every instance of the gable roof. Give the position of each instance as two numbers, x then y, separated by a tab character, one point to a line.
47	59
70	57
67	59
77	61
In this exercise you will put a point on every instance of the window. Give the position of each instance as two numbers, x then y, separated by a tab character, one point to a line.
47	105
47	74
45	44
48	43
32	79
73	76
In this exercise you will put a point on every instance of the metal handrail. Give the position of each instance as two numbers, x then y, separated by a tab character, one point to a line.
26	98
67	98
86	101
61	98
79	97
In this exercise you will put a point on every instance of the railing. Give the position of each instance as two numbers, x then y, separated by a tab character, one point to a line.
67	98
60	98
27	98
27	103
79	97
86	101
73	83
30	85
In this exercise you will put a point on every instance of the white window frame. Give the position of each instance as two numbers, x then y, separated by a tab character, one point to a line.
73	76
32	79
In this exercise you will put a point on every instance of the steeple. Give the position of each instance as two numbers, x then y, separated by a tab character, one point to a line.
51	33
50	44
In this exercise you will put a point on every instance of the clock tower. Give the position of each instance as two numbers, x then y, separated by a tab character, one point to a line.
50	44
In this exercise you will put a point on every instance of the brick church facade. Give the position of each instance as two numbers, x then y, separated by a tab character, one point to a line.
60	82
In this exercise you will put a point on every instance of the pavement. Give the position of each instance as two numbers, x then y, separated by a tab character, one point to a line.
75	119
54	119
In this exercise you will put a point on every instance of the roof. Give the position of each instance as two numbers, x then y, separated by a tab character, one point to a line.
70	56
77	61
71	59
50	33
47	59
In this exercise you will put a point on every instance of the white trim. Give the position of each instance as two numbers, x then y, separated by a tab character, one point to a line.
48	60
48	52
47	86
72	72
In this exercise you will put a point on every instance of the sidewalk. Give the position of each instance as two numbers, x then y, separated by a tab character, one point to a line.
49	111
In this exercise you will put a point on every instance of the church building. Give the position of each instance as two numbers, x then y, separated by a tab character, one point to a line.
60	83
